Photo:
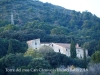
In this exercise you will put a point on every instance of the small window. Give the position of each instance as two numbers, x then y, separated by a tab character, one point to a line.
59	50
78	50
80	56
35	43
66	49
52	45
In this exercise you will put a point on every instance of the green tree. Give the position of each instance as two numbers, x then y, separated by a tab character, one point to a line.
73	48
19	47
13	61
10	27
3	47
59	31
10	48
99	45
85	58
44	50
57	59
3	23
96	57
38	63
53	58
16	46
33	53
91	46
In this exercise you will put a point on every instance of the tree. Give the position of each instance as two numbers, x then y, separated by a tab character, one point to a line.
33	53
10	27
13	61
53	58
38	63
85	58
16	46
57	59
99	45
3	47
91	46
73	48
96	57
10	48
45	49
59	31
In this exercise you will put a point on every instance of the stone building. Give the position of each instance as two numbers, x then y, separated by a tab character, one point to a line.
34	44
63	48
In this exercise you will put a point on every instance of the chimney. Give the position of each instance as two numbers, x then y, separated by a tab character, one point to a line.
77	45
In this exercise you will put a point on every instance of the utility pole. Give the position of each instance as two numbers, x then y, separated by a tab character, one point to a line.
12	14
12	18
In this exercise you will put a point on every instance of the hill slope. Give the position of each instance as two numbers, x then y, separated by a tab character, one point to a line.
29	10
53	23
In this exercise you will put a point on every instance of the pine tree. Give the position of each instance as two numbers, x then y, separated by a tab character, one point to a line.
10	49
96	57
85	59
99	45
73	48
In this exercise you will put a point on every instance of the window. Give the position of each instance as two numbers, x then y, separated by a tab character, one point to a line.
35	43
78	50
80	56
59	50
66	49
52	45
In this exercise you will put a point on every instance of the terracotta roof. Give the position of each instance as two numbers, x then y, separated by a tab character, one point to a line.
65	45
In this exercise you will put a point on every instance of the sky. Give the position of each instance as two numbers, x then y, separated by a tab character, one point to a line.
92	6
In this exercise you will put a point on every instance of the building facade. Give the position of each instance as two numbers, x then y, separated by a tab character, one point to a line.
34	44
62	48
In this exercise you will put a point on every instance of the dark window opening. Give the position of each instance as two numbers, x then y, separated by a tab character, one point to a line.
59	50
80	56
52	45
35	43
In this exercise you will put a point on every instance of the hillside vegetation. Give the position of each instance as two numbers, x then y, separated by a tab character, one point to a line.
50	23
33	19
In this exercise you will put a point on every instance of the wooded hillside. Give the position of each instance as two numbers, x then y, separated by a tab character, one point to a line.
50	23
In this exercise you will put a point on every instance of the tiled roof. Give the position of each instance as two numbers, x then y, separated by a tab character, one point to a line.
65	45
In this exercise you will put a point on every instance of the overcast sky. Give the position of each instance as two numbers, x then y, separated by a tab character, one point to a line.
92	6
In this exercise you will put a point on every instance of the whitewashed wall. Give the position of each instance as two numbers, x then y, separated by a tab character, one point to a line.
34	44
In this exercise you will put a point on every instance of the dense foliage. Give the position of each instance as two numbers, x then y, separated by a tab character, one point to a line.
53	23
96	57
73	48
34	19
11	46
32	61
